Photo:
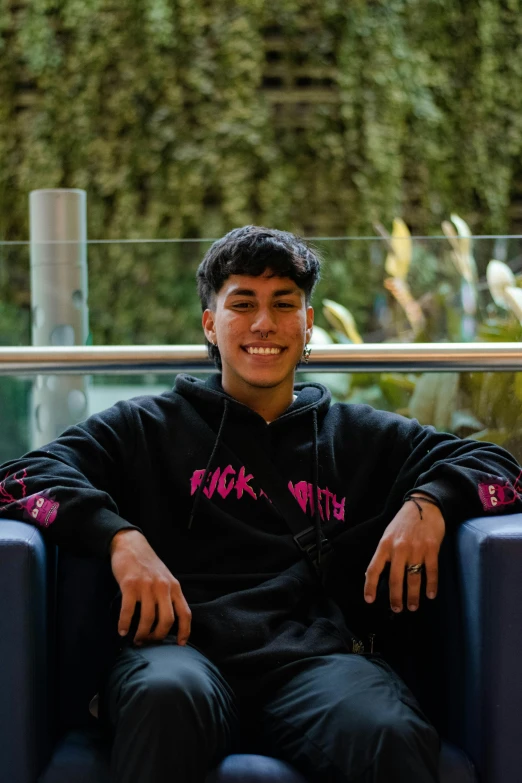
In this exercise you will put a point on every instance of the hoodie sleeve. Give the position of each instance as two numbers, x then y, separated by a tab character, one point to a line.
468	478
69	488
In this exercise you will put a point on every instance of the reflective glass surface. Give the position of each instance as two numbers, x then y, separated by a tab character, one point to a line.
485	406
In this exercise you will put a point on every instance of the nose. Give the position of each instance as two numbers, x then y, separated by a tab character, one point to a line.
264	321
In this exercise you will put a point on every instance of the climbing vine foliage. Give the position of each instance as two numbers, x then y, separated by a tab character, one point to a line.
161	110
164	111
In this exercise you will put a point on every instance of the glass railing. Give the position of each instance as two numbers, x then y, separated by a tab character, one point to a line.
143	294
486	406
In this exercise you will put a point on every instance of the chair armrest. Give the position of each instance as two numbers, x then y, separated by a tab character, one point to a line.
489	551
25	597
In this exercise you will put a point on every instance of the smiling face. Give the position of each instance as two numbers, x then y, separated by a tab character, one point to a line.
261	325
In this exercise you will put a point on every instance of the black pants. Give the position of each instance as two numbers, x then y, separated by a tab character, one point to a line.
339	718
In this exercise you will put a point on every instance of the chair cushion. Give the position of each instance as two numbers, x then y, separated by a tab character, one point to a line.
250	768
83	757
455	766
79	757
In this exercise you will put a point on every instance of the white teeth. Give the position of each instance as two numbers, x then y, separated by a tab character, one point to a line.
264	351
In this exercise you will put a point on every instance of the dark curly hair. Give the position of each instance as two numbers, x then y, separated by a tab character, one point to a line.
251	250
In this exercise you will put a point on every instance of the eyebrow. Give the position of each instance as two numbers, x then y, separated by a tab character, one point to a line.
251	292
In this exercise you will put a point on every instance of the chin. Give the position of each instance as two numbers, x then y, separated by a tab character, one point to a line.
263	382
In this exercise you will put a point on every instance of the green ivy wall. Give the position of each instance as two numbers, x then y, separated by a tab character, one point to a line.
161	111
184	118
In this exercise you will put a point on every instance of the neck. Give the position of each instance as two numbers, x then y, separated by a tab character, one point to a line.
267	402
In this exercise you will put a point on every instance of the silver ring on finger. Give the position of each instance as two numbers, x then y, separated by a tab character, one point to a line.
416	568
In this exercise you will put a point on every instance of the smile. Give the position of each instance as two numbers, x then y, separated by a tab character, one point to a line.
264	351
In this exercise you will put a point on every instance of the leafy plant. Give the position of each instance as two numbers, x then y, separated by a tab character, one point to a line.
483	406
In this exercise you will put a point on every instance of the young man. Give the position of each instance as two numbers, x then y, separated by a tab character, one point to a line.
196	496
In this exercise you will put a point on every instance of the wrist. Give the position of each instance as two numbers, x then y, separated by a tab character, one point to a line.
123	537
421	500
422	496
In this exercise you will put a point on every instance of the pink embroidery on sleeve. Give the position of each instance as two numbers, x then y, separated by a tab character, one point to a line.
5	496
499	492
40	509
493	496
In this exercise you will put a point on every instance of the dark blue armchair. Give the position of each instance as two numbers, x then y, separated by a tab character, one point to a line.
54	616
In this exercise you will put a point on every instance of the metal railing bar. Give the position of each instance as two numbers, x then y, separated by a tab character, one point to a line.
21	242
383	357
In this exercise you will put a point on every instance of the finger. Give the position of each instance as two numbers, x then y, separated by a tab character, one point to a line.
373	573
414	586
165	612
128	605
396	582
183	613
147	616
432	574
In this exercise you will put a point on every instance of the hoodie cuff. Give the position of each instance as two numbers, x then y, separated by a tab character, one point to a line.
449	499
102	526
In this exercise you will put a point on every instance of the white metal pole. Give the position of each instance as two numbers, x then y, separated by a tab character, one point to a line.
58	234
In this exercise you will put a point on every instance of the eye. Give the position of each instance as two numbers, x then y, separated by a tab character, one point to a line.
40	502
491	489
241	305
34	513
494	501
285	305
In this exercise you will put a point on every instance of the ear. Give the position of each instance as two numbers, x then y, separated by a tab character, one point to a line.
207	319
309	323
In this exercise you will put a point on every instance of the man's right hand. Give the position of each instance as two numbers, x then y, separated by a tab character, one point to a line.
143	577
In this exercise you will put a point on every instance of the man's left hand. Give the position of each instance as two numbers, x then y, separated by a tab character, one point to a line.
408	540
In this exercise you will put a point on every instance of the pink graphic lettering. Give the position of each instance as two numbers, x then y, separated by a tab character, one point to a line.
195	481
338	509
243	486
303	492
329	497
319	505
213	478
311	498
225	489
300	493
224	480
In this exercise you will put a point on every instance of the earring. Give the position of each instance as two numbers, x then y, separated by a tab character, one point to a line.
306	353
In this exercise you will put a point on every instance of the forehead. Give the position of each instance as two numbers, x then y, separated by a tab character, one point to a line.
262	285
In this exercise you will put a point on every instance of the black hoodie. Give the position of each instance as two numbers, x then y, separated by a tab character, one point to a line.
208	482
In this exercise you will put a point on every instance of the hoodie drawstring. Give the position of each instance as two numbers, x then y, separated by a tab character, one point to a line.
209	465
317	514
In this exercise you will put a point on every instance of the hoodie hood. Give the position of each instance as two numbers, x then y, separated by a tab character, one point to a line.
210	391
